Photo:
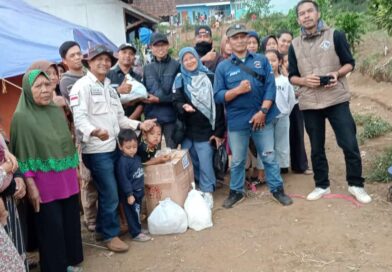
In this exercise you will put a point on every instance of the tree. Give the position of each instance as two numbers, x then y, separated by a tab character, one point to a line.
258	7
381	11
353	25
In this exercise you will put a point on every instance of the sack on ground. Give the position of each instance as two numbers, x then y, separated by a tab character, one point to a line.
197	210
138	91
167	218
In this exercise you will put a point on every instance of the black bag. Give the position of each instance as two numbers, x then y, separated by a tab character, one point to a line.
249	71
220	161
179	131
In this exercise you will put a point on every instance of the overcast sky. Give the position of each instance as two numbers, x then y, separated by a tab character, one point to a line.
283	5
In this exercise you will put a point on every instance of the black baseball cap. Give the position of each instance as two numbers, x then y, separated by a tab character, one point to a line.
158	37
206	28
127	45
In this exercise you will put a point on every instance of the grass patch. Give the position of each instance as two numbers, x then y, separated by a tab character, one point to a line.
372	127
380	166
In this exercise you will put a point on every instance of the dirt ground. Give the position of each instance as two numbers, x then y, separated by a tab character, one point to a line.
261	235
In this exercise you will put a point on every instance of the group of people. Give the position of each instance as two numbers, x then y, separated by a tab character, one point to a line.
74	137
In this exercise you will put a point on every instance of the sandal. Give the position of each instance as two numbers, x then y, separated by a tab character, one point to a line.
74	269
142	237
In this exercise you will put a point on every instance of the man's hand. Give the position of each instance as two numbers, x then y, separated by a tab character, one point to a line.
131	199
124	88
210	56
33	194
100	133
244	87
188	108
311	81
334	81
20	189
258	120
148	124
152	99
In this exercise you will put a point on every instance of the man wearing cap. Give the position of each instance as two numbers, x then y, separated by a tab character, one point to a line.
203	46
158	77
117	76
72	58
98	116
246	85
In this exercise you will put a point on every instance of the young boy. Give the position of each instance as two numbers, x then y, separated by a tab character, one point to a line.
130	176
149	145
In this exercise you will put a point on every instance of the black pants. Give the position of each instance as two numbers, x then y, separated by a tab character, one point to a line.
342	122
299	160
168	131
58	232
132	213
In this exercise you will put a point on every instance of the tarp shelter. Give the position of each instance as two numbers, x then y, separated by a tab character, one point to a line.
28	34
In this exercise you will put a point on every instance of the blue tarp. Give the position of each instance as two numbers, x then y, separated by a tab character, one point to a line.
28	34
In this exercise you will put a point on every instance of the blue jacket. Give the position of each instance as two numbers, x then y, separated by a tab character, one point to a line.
241	109
130	176
158	77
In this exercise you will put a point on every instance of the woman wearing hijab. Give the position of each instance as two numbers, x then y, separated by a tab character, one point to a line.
12	188
253	42
51	69
193	98
42	143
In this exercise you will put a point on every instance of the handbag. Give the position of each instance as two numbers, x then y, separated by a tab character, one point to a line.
248	70
220	161
179	131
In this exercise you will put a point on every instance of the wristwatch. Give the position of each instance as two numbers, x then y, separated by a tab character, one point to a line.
264	110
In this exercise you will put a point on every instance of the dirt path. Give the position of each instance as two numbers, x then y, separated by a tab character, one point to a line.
261	235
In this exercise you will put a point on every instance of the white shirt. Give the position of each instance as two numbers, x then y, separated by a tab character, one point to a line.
96	105
285	96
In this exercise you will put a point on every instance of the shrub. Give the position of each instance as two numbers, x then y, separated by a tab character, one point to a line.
380	166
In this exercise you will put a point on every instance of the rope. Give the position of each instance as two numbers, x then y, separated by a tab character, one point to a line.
4	85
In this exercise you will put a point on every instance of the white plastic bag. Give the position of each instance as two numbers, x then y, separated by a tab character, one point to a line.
167	218
197	210
138	91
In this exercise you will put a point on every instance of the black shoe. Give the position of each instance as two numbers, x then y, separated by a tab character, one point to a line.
284	170
283	199
233	199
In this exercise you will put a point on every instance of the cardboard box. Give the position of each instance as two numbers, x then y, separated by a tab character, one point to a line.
172	179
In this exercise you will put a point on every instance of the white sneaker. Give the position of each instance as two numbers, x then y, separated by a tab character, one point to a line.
209	199
317	193
360	194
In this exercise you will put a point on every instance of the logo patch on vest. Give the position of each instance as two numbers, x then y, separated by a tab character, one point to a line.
325	45
257	64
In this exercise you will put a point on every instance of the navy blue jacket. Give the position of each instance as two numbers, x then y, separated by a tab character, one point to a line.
158	77
130	175
241	109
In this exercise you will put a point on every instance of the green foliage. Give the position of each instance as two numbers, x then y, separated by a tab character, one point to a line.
372	126
353	25
380	166
259	7
275	22
381	11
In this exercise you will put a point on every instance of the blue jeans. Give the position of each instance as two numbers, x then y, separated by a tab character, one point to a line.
201	155
281	143
264	142
101	166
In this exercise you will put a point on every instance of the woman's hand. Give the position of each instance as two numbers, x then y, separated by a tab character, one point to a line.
33	194
20	189
188	108
3	213
218	141
9	157
7	167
